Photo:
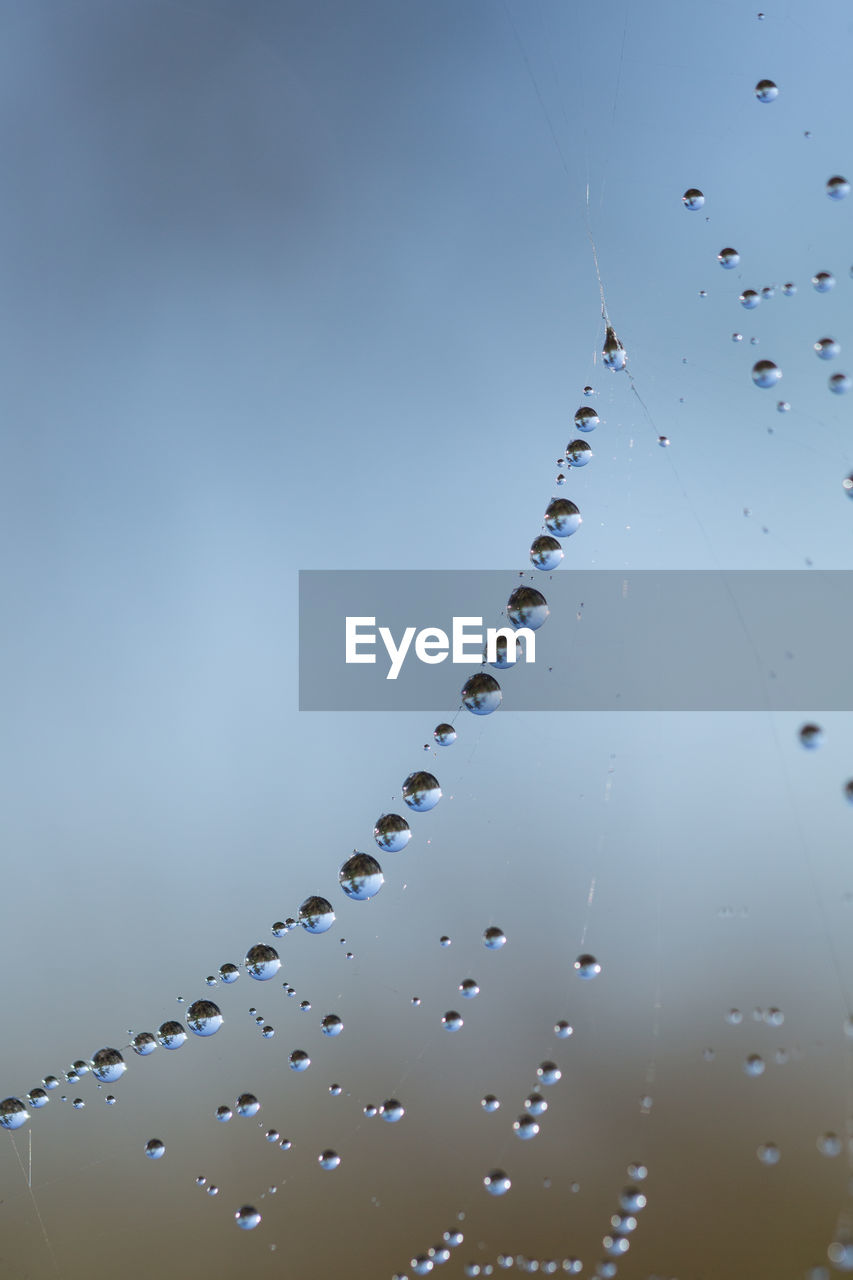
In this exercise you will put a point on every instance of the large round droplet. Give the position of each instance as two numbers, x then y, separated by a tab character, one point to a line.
527	607
328	1159
444	734
155	1148
823	281
765	373
37	1098
421	791
299	1060
490	1103
204	1018
469	988
392	1110
262	962
548	1072
223	1114
754	1065
578	453
171	1035
143	1044
837	187
247	1218
545	552
749	299
392	833
452	1021
586	419
332	1025
693	199
587	967
728	258
481	694
494	938
840	384
504	658
525	1126
361	877
613	354
827	348
229	972
13	1113
766	91
247	1105
316	914
108	1066
497	1183
562	518
563	1030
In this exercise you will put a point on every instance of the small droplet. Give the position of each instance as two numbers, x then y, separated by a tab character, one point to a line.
154	1148
469	988
728	258
497	1183
766	91
837	188
332	1025
840	384
782	406
578	453
737	337
452	1021
204	1018
586	419
392	833
328	1159
545	552
823	281
527	607
768	1153
229	972
847	485
693	199
663	442
525	1126
361	877
171	1035
848	791
789	289
749	299
490	1103
392	1110
754	1065
108	1066
535	1104
247	1105
494	938
224	1114
562	1030
247	1218
827	348
299	1060
562	518
613	355
444	735
421	791
548	1072
765	373
587	966
829	1144
262	962
316	914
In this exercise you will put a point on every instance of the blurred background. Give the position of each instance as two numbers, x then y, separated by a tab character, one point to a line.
295	286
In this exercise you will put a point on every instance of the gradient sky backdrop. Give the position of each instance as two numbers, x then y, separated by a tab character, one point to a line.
297	286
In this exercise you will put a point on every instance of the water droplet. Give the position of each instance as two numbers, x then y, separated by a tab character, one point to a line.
545	552
768	292
421	791
155	1149
587	966
316	914
847	485
444	734
535	1104
613	355
272	1135
562	518
663	441
469	988
490	1103
502	653
304	1006
224	1114
361	877
37	1098
848	791
78	1104
783	407
728	258
229	972
823	281
392	1110
527	607
768	1153
328	1159
749	299
213	1190
840	384
481	694
262	962
563	1029
392	833
13	1113
765	373
837	188
737	337
299	1060
632	1200
525	1126
766	91
444	941
247	1218
754	1065
497	1183
578	453
548	1072
335	1090
171	1035
370	1111
247	1105
560	479
51	1082
827	348
829	1144
586	419
285	1144
451	1021
204	1018
267	1032
108	1066
332	1025
693	199
494	938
